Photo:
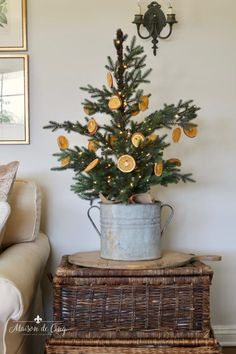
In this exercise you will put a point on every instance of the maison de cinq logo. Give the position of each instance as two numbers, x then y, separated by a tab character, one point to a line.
37	327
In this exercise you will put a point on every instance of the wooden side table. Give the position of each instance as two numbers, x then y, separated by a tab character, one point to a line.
137	311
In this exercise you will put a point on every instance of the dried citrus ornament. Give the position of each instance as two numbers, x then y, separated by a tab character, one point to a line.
151	138
63	142
92	165
135	113
114	102
112	140
137	139
176	162
176	134
109	79
158	168
126	163
143	103
65	162
136	110
92	126
92	146
87	110
190	132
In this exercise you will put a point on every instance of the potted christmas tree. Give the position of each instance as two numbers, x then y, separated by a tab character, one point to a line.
124	157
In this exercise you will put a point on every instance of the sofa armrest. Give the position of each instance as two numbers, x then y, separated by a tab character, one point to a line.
21	268
12	308
23	264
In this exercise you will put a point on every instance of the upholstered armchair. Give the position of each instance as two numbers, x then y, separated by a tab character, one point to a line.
23	257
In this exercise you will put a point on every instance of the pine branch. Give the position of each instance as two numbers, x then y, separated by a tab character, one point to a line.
171	115
119	74
111	65
68	127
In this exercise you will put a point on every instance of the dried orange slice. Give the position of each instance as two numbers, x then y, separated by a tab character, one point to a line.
135	113
92	146
176	134
62	142
92	165
190	132
176	162
136	110
65	162
87	110
92	126
152	138
137	139
158	168
126	163
143	103
112	140
109	79
114	102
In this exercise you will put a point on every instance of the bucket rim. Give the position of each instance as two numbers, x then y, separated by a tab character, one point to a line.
129	205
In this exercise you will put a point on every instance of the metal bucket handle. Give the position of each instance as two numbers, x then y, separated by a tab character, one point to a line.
169	218
162	206
90	218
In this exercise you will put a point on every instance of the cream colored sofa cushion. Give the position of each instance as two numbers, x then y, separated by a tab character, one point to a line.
21	269
7	176
24	221
4	215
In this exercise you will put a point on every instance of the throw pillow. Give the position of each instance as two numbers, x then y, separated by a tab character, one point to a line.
4	214
24	221
7	176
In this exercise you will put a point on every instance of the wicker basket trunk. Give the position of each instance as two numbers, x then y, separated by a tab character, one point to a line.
139	304
78	347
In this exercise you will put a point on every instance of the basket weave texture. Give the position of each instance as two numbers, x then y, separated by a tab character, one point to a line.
133	304
78	347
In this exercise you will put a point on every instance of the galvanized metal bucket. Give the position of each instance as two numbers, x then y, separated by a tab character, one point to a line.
131	232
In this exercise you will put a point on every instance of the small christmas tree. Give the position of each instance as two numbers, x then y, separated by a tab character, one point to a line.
124	157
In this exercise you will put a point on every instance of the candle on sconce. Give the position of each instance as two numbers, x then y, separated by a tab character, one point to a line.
139	8
170	10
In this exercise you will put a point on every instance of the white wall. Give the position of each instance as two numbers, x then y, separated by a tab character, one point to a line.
68	45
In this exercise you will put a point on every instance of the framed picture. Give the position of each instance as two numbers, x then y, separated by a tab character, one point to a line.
13	25
14	118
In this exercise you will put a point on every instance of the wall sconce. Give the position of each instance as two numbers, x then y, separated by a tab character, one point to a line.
154	20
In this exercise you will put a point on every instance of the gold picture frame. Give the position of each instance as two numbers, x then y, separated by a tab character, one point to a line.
14	99
13	25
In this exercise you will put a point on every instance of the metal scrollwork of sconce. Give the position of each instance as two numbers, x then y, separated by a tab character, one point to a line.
154	20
